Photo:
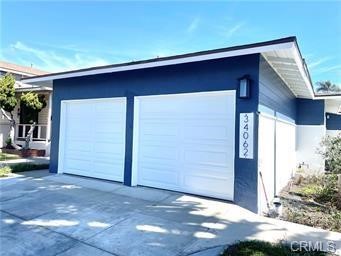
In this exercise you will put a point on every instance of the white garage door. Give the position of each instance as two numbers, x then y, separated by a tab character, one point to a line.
185	142
92	138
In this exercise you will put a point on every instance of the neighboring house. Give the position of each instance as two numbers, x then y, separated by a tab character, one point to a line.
206	123
41	133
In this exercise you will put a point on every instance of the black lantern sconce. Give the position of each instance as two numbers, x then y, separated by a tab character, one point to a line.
244	87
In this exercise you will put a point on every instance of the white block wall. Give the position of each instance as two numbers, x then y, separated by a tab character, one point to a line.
308	142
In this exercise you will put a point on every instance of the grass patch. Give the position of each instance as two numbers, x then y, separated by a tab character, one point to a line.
4	156
5	171
260	248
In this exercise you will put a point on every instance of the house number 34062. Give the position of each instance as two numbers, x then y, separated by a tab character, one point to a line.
246	136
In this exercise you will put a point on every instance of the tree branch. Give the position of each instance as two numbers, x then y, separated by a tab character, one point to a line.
6	115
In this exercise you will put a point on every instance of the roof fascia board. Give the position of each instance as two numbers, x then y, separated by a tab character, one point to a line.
181	60
13	71
327	97
301	68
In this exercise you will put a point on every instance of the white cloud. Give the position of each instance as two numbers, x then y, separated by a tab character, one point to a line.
331	68
50	60
336	69
318	62
193	25
229	31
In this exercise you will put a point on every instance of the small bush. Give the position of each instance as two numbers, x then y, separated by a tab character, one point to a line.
5	171
331	152
309	190
260	248
28	167
322	189
8	141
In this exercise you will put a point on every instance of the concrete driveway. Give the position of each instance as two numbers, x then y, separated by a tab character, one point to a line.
63	215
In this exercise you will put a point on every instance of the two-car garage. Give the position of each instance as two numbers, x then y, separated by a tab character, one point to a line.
177	122
182	142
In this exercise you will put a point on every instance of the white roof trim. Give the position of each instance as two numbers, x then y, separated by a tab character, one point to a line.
327	97
302	70
160	63
13	71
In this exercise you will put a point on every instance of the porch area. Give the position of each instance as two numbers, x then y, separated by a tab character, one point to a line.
41	136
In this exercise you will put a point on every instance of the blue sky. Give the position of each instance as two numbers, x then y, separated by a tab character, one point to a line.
64	35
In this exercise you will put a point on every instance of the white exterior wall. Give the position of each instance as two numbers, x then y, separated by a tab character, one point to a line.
333	133
309	138
285	153
276	157
332	105
4	130
44	113
266	162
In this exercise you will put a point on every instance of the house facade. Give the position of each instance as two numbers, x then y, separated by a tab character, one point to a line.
41	134
224	123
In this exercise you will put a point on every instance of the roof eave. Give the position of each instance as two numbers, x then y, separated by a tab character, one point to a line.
289	43
179	59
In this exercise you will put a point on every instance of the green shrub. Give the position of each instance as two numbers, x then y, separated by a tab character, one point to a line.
309	190
322	189
331	152
5	171
28	167
8	141
328	191
261	248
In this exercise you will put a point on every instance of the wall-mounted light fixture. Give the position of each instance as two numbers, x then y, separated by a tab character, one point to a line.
244	87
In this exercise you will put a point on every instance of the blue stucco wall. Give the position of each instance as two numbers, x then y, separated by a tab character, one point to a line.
213	75
310	112
274	93
333	121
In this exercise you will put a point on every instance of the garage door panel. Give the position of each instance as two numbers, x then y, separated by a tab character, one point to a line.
207	170
108	157
205	132
150	140
114	138
94	138
192	134
115	147
155	177
159	128
152	107
76	154
109	127
159	152
205	157
78	145
75	128
208	185
104	168
78	164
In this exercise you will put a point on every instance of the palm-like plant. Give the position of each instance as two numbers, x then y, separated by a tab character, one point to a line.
327	87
